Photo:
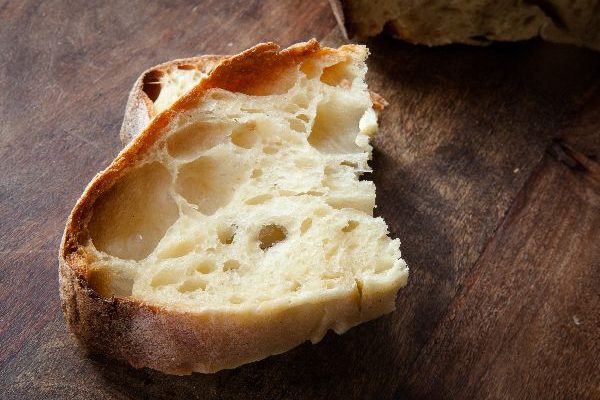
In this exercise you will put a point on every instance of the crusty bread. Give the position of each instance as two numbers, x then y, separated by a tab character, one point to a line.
473	21
159	87
235	226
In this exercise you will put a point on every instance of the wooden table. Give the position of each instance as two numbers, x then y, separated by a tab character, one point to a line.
487	167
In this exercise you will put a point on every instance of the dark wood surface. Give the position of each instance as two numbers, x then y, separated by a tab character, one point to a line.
487	167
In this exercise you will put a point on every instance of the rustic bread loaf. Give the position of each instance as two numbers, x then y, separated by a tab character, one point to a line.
474	21
235	226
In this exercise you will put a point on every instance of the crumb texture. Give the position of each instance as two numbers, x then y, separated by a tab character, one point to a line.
253	202
168	85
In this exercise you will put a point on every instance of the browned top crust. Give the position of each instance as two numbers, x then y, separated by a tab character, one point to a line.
140	107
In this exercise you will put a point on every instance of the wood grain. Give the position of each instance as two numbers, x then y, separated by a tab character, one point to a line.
527	322
486	167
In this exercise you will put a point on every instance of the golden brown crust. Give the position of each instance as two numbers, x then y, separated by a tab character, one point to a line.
182	342
140	107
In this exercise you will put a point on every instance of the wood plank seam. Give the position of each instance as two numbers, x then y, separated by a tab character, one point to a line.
524	207
522	199
560	152
470	280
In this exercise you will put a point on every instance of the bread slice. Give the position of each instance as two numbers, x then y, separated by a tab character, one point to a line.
159	87
473	21
235	226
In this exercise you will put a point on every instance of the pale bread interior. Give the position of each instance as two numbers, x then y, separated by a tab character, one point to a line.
253	201
176	81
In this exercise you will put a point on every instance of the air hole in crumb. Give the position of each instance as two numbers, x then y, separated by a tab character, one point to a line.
257	173
231	265
270	235
350	226
250	109
303	117
336	126
258	199
339	204
194	138
349	164
226	235
236	300
165	277
306	224
191	285
290	108
338	74
295	286
309	193
186	67
331	251
178	249
329	275
271	149
297	125
151	84
130	218
209	182
244	135
205	267
330	285
301	101
310	69
109	284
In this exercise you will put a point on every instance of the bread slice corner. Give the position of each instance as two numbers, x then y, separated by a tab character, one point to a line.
157	88
235	226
